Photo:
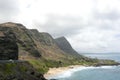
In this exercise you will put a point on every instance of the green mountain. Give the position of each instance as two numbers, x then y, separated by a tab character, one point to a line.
46	44
31	43
35	52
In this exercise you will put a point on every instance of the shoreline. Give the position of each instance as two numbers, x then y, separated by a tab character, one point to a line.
55	72
52	72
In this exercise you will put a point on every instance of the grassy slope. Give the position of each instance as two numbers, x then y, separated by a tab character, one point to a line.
43	65
19	71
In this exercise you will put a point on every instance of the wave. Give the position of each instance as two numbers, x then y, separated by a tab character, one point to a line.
69	72
108	67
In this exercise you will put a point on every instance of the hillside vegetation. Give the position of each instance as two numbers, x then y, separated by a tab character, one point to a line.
39	49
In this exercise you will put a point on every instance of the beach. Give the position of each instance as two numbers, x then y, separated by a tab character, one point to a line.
57	71
66	73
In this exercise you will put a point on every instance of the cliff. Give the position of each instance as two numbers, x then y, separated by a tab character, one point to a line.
46	44
42	37
26	46
64	45
8	46
33	44
10	67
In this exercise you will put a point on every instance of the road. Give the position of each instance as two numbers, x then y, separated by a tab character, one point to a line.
11	61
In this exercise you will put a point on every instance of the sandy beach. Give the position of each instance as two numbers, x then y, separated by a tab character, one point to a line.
56	71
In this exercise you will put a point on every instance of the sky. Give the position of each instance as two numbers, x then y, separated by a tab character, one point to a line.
91	26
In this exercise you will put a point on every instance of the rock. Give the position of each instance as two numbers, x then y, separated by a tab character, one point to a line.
27	47
42	37
34	44
8	46
64	45
46	44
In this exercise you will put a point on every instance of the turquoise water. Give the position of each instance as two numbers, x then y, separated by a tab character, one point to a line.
100	73
94	73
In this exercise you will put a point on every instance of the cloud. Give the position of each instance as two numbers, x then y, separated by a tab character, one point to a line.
112	15
100	35
95	40
97	34
8	9
61	25
89	25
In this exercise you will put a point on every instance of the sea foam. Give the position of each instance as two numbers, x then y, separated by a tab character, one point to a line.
69	72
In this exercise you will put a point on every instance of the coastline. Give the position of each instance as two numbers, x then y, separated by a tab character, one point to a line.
52	72
67	71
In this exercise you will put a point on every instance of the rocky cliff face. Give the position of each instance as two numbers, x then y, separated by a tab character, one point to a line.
16	41
31	43
46	44
25	43
34	44
42	37
8	46
63	44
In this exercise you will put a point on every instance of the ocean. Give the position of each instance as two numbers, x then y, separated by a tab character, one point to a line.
94	73
112	56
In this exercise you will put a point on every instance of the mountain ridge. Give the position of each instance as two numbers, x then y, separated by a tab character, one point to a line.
64	44
35	44
39	49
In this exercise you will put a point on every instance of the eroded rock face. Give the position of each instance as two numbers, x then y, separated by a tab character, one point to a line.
35	44
22	37
65	46
46	44
42	37
8	47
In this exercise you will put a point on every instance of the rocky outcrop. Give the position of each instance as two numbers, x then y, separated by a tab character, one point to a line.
16	42
34	44
42	37
31	43
27	47
8	46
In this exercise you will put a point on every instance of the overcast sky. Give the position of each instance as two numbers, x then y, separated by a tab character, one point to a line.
89	25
